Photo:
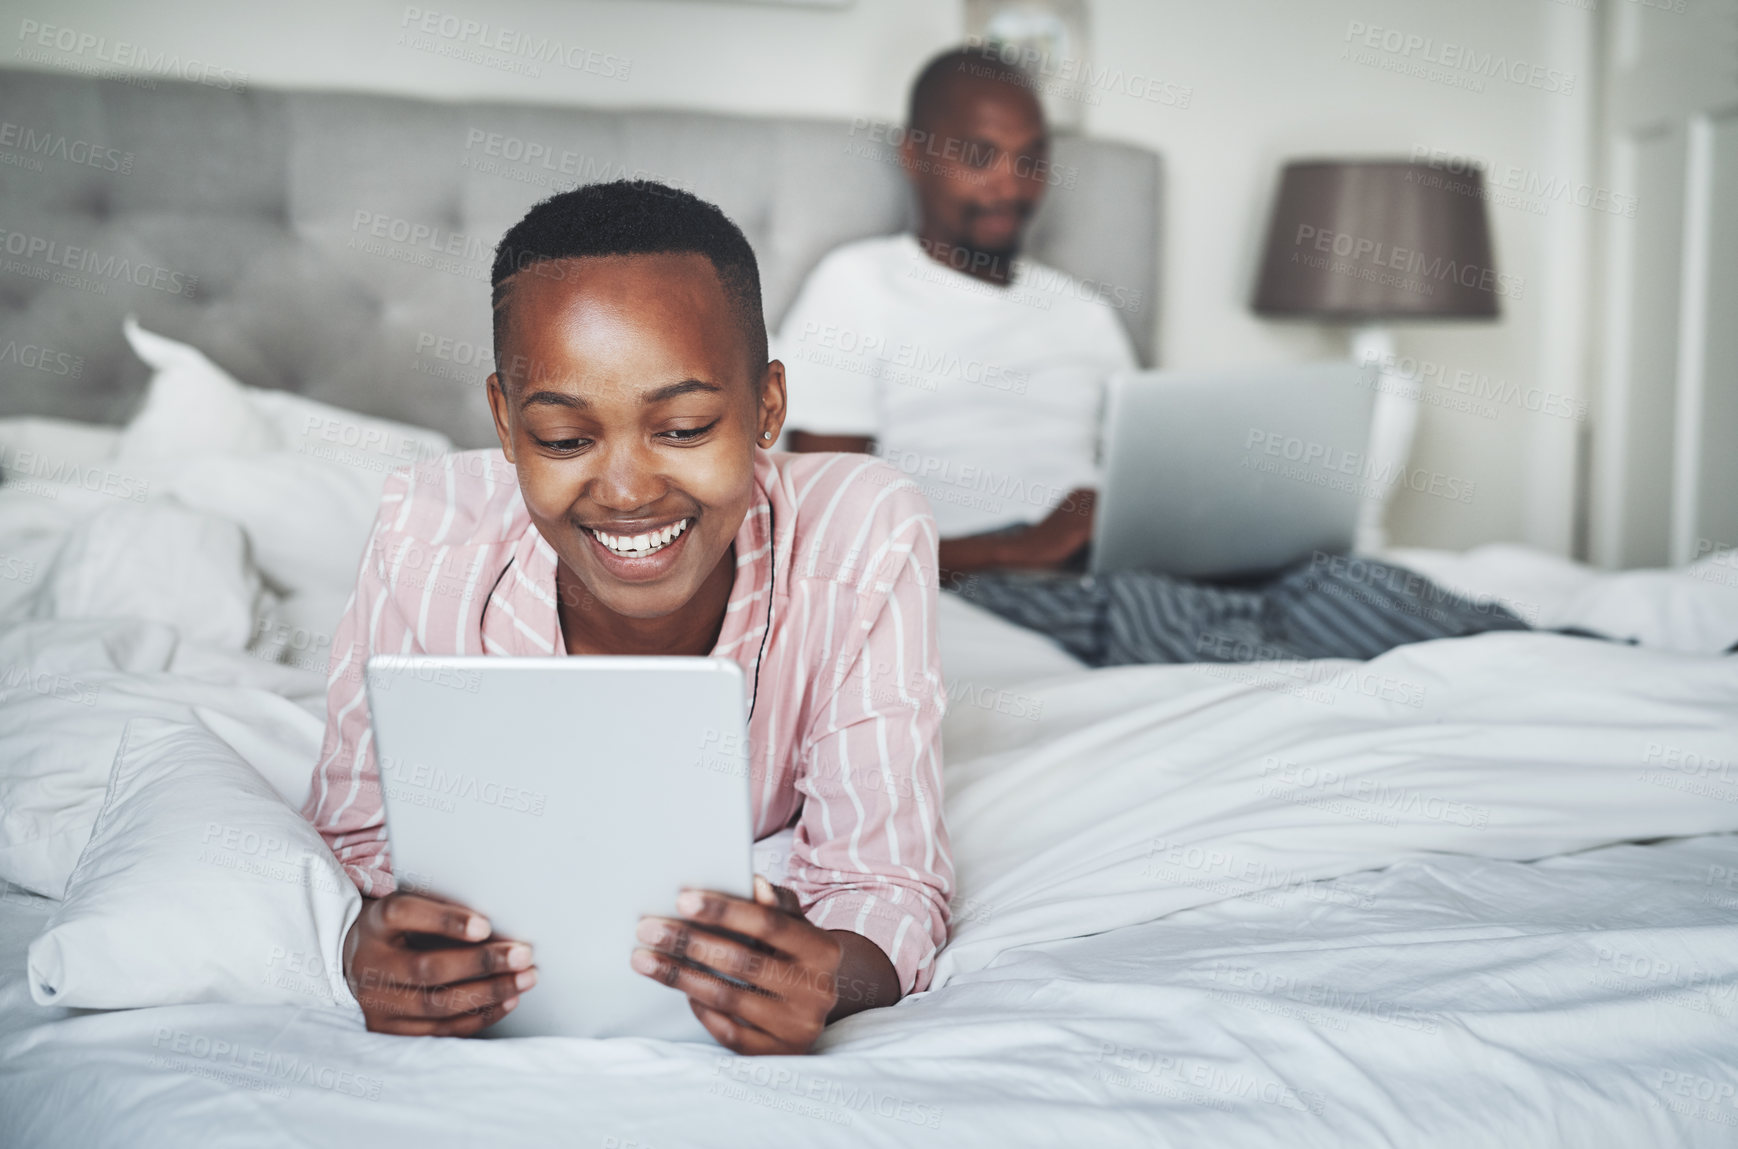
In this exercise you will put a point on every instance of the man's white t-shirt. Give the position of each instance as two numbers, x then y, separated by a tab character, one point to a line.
989	397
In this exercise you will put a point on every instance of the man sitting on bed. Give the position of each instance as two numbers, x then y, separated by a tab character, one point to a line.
979	373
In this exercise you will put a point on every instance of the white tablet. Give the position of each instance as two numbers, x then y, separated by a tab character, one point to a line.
563	798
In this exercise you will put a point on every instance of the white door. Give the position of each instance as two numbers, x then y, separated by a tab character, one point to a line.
1665	449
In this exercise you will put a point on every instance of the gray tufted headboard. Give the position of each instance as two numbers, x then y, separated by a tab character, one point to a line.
339	244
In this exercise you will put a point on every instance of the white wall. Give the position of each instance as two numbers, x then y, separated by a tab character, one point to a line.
1267	81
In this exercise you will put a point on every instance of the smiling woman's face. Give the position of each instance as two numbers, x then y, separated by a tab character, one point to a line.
631	414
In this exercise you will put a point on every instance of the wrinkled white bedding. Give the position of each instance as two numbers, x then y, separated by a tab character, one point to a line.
1588	1001
1143	951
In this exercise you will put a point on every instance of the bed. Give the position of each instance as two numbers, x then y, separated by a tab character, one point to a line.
1473	892
1331	903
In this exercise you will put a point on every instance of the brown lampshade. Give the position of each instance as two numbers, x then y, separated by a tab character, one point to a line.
1379	239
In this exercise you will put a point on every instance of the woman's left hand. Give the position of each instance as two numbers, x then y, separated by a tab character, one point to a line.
790	967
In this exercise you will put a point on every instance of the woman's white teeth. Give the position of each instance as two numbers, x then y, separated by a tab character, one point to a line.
636	545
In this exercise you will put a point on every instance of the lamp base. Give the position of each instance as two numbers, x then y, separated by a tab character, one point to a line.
1393	426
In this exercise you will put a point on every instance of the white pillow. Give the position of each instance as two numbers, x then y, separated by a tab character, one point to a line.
301	477
156	561
310	427
69	690
59	727
198	885
195	409
193	406
308	520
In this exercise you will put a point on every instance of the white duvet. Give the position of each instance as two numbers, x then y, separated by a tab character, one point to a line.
1198	905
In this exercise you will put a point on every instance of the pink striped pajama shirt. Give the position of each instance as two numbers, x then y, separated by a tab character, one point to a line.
831	616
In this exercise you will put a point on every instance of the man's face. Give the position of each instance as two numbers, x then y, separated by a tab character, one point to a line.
981	168
630	411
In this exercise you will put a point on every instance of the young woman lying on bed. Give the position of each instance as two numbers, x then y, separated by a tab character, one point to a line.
634	508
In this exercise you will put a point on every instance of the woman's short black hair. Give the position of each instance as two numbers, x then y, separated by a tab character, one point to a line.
634	217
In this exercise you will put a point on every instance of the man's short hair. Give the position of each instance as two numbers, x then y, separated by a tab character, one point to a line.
956	65
634	217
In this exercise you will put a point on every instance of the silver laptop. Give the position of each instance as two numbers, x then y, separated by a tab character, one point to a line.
1227	474
563	797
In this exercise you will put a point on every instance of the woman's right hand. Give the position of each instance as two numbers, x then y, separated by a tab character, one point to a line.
420	966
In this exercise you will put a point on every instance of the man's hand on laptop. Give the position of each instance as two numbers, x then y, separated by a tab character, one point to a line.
1045	545
420	966
760	976
1059	536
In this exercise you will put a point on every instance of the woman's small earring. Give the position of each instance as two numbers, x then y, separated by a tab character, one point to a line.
766	434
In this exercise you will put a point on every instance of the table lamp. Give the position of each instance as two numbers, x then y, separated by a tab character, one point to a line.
1366	242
